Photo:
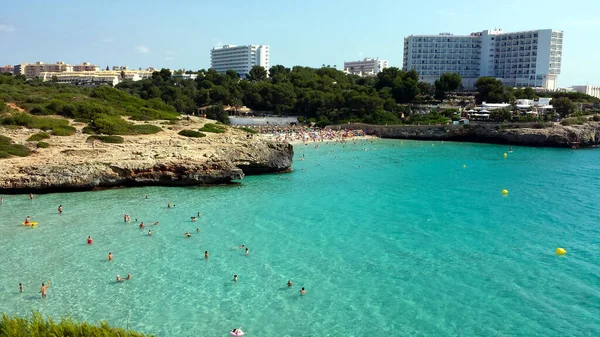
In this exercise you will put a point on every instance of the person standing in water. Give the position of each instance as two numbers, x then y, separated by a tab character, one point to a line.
247	251
149	233
302	291
89	240
44	289
234	277
110	256
290	284
21	287
27	220
30	196
206	254
59	209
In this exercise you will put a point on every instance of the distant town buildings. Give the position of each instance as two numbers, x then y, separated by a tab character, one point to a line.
112	77
520	59
119	68
366	67
86	66
184	76
592	90
6	69
239	58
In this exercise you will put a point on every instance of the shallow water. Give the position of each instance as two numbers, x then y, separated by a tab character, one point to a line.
400	240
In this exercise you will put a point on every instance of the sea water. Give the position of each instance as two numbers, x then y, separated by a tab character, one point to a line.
389	238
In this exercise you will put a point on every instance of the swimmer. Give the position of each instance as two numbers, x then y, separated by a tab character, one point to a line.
20	287
44	289
89	240
242	246
119	279
27	221
59	209
142	225
30	196
187	234
198	214
110	256
128	276
147	197
235	278
169	205
290	284
206	254
193	218
155	223
149	233
302	291
247	251
197	229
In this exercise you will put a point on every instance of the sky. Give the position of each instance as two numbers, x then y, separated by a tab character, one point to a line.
179	34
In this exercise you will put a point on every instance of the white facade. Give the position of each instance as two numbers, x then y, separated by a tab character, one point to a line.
239	58
366	67
520	59
592	90
97	77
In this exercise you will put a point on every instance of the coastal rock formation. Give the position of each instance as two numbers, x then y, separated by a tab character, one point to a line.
165	159
527	134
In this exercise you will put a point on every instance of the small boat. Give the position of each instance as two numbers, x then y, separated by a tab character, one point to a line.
32	224
237	332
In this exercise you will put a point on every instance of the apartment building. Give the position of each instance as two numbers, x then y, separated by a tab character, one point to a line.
6	69
86	66
35	69
592	90
112	77
520	59
365	67
239	58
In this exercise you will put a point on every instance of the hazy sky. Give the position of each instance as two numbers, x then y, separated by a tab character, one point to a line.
180	33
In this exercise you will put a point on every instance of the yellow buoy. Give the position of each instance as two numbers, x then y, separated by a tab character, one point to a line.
560	251
464	166
505	155
504	192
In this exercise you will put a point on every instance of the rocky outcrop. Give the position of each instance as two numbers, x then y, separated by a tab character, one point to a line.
527	134
164	159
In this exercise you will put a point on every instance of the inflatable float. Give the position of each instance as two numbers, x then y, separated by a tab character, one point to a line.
236	332
32	224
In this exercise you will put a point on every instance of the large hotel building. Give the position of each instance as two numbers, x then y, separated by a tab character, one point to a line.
239	58
522	59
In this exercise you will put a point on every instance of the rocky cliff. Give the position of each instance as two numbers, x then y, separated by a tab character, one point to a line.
530	134
165	159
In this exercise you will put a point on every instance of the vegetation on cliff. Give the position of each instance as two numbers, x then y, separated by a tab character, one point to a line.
36	325
8	149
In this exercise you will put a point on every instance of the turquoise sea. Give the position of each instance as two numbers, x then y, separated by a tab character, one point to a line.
390	238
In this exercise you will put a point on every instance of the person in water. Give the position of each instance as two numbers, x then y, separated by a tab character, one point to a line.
247	251
27	221
169	205
197	229
302	291
59	209
198	214
119	279
110	256
149	233
290	284
142	225
89	240
206	254
30	196
21	287
155	223
234	277
44	289
128	276
188	235
193	218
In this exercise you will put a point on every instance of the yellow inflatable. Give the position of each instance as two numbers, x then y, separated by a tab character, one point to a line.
560	251
505	155
504	192
464	166
32	224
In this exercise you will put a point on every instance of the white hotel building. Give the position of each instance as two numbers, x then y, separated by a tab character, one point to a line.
366	67
521	59
592	90
239	58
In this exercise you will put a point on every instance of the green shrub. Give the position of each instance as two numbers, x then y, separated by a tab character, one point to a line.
38	136
4	154
59	127
249	130
65	130
214	128
146	129
43	145
7	148
106	139
35	325
191	133
565	122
